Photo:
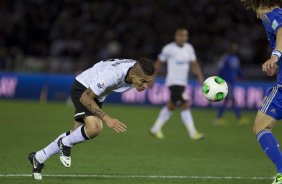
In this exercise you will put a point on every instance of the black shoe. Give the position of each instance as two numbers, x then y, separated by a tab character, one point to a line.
65	153
36	166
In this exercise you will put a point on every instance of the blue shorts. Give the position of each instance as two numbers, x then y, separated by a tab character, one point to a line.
272	102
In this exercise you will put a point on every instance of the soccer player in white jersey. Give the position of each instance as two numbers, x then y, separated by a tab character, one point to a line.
179	56
88	92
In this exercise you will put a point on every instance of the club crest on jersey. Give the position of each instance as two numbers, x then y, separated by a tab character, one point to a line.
101	84
274	24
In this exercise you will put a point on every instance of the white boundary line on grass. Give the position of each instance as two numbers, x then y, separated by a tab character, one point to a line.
141	176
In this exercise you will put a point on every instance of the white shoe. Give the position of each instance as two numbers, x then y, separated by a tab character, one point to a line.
65	153
197	136
159	134
278	179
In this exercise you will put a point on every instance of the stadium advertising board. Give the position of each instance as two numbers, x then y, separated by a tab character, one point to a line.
248	95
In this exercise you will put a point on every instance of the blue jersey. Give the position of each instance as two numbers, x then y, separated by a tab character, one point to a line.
272	21
229	68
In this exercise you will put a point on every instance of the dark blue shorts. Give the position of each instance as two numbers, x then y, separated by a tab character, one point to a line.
272	102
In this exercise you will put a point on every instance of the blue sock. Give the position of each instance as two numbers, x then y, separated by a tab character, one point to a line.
220	111
271	147
237	111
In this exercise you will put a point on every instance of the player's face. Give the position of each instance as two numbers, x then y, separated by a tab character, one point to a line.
181	37
142	81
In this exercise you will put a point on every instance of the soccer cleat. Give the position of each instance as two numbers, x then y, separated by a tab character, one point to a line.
197	136
243	121
219	122
36	166
277	179
159	134
65	153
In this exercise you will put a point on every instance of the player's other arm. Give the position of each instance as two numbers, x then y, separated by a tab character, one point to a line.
197	71
270	66
87	99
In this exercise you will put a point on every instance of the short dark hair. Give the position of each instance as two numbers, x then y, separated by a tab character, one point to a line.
147	66
254	4
180	29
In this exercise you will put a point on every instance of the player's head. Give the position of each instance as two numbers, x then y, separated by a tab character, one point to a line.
181	36
261	6
142	73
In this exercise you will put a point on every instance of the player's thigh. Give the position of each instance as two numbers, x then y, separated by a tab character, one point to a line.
270	110
171	106
93	125
262	122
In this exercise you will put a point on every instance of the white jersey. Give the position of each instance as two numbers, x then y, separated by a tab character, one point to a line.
178	62
106	77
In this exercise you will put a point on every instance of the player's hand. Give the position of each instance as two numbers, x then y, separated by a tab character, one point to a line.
270	66
200	79
115	124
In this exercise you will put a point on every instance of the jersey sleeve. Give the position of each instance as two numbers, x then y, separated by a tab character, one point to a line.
103	81
193	54
275	21
164	55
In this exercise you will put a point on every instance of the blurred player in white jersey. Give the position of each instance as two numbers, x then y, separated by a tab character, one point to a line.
88	92
179	56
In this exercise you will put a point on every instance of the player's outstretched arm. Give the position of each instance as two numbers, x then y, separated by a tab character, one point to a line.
197	71
270	66
87	99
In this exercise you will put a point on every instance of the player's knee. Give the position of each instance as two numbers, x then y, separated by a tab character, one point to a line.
185	106
93	128
171	106
261	124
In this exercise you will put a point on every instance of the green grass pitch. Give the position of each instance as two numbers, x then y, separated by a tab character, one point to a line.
227	155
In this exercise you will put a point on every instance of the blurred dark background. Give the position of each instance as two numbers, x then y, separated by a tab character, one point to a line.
67	36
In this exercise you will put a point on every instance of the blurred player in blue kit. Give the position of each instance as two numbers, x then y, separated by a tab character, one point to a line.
270	112
230	71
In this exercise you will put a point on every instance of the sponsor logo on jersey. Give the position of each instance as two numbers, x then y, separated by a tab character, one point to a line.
101	84
180	62
273	111
274	24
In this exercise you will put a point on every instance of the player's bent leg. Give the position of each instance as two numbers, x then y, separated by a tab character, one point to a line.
262	128
37	159
188	122
263	122
164	115
77	136
93	126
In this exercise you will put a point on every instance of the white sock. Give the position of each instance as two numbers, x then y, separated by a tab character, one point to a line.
163	117
42	155
187	119
75	137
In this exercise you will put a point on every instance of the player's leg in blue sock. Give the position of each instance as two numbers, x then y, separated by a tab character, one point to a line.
236	111
220	111
266	139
